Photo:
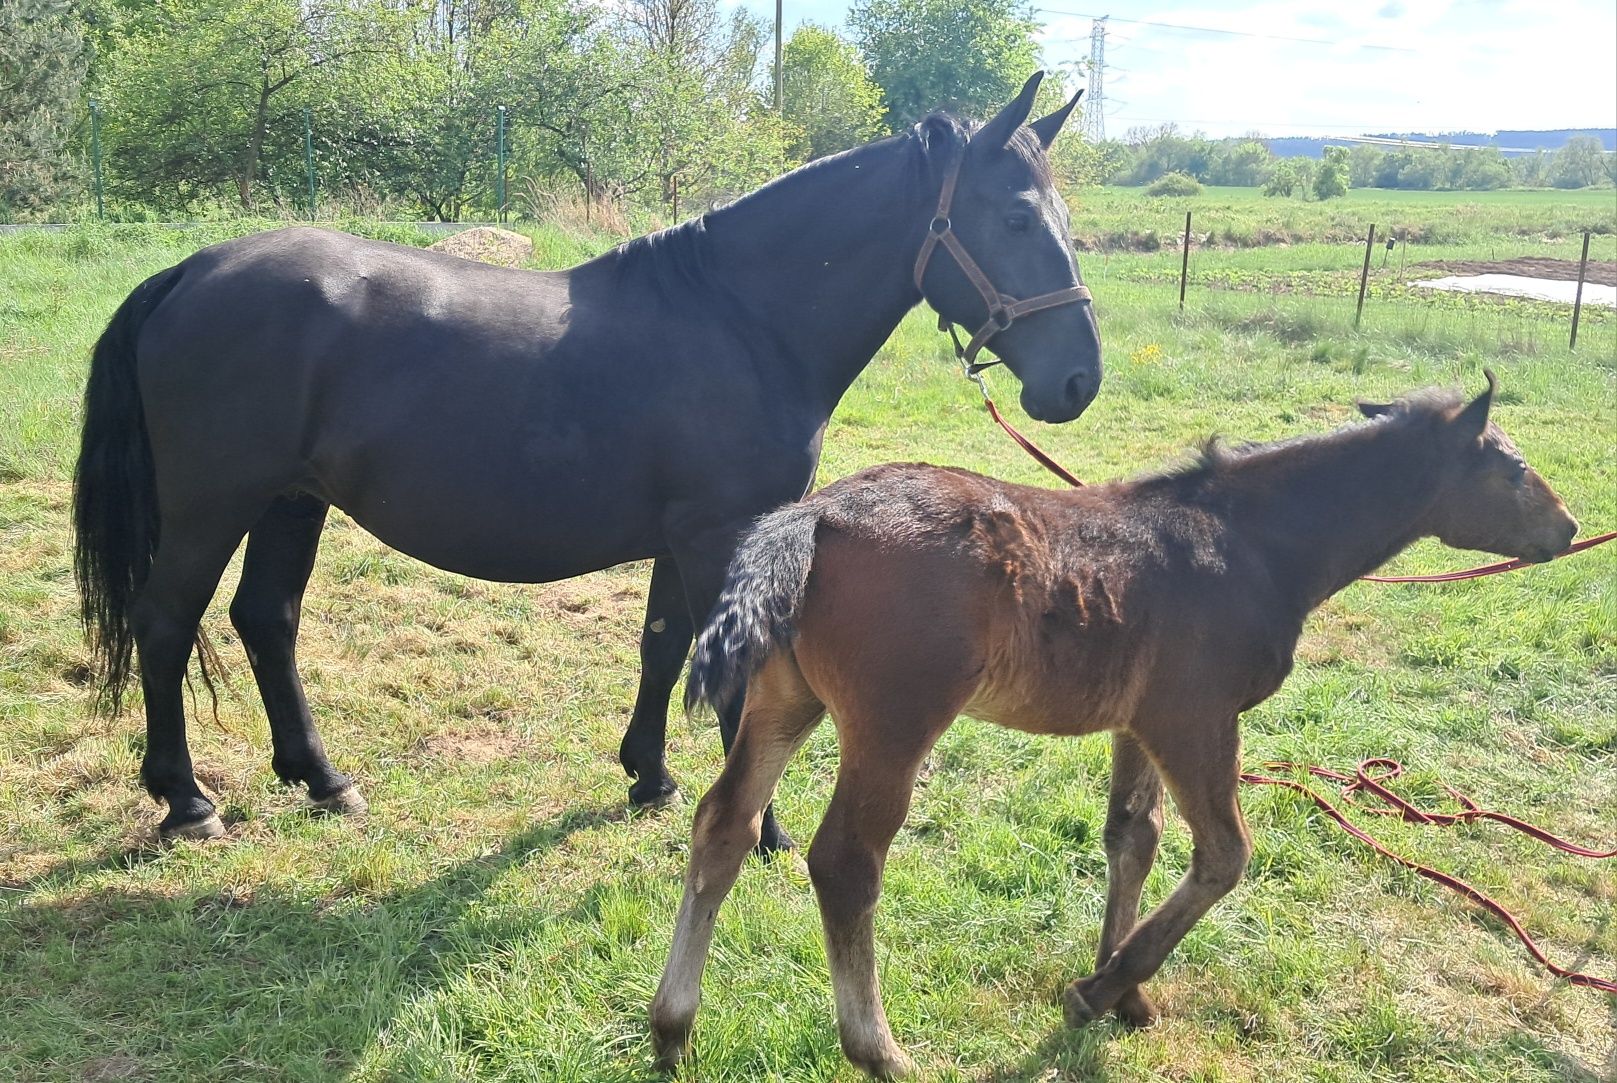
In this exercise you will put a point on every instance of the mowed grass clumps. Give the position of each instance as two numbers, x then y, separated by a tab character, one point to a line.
500	916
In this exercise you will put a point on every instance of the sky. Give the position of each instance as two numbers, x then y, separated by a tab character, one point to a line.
1381	66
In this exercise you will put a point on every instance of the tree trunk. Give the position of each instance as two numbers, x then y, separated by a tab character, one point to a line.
255	146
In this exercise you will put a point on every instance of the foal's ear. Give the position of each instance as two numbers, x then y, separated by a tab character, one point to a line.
1048	127
998	132
1472	421
1377	409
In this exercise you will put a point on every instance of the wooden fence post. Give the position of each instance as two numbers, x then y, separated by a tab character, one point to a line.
1184	263
1577	300
1364	275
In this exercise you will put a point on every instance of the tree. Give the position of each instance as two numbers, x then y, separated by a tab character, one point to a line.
1579	164
1331	178
828	94
42	66
970	56
1244	164
1161	150
208	93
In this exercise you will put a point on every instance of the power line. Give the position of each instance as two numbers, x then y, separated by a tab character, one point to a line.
1229	33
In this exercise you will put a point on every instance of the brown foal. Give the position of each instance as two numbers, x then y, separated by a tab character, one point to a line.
1158	609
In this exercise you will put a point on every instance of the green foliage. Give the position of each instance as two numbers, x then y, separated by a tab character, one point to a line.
1174	184
209	94
969	56
42	66
1331	178
828	95
1583	163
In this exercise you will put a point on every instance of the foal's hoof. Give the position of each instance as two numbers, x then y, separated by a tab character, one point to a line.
887	1063
209	827
654	793
1137	1010
668	1045
345	802
1075	1008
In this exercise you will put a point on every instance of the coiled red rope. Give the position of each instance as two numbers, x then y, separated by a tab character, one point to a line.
1371	777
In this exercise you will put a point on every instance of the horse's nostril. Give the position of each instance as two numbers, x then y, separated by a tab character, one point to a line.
1080	390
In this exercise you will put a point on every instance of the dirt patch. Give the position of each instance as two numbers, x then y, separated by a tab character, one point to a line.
471	747
488	245
1603	272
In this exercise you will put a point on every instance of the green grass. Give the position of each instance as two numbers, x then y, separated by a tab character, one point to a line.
499	917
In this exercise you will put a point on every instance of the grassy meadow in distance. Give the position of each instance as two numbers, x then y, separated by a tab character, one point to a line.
499	916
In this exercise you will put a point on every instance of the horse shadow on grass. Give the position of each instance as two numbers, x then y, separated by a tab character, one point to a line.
254	981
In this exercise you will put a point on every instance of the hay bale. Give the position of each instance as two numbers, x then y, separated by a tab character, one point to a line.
488	244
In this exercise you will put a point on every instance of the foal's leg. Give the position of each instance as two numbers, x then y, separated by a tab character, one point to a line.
875	782
1201	768
265	611
1133	829
781	713
665	640
184	574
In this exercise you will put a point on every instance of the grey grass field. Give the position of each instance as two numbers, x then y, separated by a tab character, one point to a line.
500	916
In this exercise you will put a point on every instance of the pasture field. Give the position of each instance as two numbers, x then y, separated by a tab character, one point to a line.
499	916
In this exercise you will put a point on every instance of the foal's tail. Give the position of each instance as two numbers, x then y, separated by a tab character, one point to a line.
115	491
757	612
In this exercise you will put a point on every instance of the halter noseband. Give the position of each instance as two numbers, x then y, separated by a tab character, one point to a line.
1002	310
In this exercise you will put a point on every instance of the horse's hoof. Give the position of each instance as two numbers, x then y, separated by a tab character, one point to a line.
654	793
345	802
775	841
1137	1010
1075	1008
209	827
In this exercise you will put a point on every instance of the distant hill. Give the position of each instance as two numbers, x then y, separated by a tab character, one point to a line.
1515	142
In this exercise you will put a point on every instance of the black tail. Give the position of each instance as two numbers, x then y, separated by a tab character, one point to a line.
757	611
115	492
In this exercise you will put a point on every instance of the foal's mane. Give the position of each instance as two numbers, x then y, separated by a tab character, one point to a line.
1216	461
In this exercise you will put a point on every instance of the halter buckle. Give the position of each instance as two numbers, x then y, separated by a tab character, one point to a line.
940	225
1001	318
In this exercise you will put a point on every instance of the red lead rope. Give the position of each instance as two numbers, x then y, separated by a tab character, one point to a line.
1364	779
1386	770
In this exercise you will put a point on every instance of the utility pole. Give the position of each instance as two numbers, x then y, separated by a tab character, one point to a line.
779	96
1094	105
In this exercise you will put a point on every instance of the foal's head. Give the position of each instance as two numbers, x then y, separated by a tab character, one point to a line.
1012	221
1491	499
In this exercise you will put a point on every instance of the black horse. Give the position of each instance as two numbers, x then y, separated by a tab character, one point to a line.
527	427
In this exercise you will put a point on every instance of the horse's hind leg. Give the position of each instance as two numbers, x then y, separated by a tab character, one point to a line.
1133	829
780	713
1200	764
269	600
184	574
872	796
665	640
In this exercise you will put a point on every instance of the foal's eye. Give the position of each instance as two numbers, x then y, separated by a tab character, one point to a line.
1017	222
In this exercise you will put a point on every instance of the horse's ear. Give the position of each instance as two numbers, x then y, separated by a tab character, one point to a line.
1048	127
1376	409
1472	421
998	132
938	134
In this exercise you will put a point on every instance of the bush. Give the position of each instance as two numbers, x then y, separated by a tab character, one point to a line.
1174	184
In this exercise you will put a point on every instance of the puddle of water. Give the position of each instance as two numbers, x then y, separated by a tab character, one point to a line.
1538	289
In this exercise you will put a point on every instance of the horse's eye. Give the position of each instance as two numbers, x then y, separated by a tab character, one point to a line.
1518	472
1017	222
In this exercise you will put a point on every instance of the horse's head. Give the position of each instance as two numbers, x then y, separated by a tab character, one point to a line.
1492	500
1005	214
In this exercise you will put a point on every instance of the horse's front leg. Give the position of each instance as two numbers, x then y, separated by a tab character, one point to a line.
1200	765
665	640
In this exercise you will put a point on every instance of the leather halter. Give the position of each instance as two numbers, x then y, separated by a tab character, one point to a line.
1002	310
